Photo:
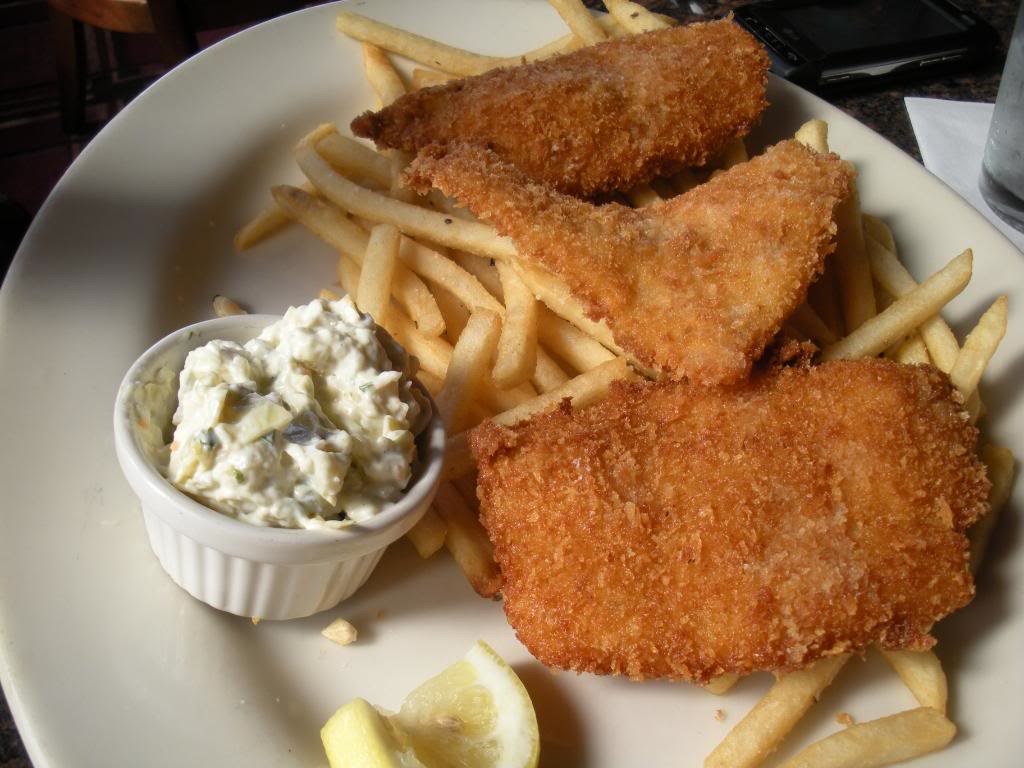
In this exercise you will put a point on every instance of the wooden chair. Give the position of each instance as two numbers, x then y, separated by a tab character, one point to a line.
174	22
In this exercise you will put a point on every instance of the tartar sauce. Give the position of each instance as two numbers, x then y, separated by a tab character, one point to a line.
309	425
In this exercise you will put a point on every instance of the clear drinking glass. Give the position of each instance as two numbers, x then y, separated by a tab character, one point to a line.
1002	170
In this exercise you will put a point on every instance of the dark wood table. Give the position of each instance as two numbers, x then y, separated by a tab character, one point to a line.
883	110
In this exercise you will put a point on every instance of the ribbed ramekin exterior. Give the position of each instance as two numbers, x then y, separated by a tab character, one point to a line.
272	573
250	587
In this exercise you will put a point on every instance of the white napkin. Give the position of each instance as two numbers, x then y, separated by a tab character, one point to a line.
951	135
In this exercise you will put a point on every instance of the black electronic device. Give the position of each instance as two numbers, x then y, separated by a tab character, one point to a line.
829	45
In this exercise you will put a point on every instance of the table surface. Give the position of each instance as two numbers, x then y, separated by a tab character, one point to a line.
881	109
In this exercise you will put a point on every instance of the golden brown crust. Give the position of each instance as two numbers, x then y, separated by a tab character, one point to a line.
685	532
696	286
603	118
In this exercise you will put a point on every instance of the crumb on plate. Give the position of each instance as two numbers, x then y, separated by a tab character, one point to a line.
341	632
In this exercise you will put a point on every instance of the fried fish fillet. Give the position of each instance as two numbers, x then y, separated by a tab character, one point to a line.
694	287
676	531
603	118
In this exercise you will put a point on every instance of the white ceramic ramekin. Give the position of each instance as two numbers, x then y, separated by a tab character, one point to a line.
270	573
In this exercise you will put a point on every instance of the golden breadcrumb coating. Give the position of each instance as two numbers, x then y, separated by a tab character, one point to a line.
685	532
602	118
694	287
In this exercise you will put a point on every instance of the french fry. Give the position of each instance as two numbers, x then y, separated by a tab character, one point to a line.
467	541
381	75
378	268
416	47
428	78
331	226
458	457
410	219
470	358
448	58
563	44
328	294
266	223
355	161
979	346
814	134
389	87
882	297
1000	464
483	269
311	139
913	351
808	322
516	357
430	381
347	272
879	742
441	202
550	290
453	311
643	195
583	25
633	17
764	727
548	374
434	266
273	219
879	230
906	313
224	307
568	43
440	270
499	400
428	534
856	291
896	280
434	354
921	672
722	684
569	343
585	389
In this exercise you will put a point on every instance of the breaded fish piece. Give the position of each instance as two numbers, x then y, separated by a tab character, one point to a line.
694	287
676	531
602	118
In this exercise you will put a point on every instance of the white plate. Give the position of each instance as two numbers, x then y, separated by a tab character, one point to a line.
106	662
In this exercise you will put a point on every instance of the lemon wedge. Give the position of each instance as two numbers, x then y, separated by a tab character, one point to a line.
358	736
475	714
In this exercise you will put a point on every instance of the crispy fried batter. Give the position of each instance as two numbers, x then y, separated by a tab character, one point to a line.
602	118
685	532
696	286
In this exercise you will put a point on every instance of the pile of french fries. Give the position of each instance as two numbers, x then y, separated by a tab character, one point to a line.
499	339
